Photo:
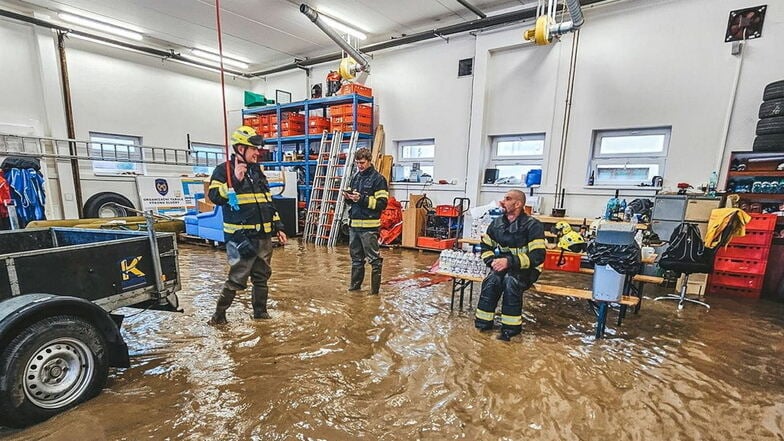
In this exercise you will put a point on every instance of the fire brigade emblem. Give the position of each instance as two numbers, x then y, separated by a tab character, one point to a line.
162	186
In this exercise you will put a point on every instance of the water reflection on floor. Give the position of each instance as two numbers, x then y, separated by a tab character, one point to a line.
338	366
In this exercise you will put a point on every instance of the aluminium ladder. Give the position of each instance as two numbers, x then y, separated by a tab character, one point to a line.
317	190
344	181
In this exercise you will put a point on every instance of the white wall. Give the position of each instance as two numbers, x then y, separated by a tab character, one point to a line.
640	63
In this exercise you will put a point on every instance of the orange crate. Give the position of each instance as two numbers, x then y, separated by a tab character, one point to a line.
318	121
348	89
745	281
729	291
762	222
317	130
349	127
434	243
348	109
272	118
754	237
447	211
251	121
292	132
292	125
569	262
736	265
350	118
293	117
264	119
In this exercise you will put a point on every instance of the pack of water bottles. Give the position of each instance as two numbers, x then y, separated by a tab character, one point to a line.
461	262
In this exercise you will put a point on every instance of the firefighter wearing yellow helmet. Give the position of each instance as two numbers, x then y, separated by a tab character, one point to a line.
568	239
249	228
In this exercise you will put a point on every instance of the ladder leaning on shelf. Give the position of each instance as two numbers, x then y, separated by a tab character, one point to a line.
317	191
330	194
345	179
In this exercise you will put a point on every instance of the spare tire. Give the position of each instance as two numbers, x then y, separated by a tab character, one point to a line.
770	126
773	91
769	143
772	108
102	205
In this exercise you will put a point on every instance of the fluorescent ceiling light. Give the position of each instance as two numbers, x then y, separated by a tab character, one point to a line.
198	53
340	26
225	54
215	63
103	27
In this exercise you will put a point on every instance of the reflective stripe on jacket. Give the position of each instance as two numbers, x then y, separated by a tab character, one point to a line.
521	241
257	216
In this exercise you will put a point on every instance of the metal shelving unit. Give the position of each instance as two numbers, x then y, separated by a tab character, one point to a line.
306	141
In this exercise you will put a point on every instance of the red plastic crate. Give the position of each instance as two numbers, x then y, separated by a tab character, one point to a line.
746	281
318	121
317	130
293	132
363	110
359	89
718	290
744	252
347	119
762	222
434	243
447	211
570	261
735	265
754	237
251	121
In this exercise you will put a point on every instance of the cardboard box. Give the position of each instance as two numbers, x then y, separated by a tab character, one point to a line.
413	221
205	205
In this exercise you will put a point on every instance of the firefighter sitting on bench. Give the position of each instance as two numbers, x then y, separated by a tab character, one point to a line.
514	248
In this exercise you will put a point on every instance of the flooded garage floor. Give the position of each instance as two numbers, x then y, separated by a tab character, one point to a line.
334	365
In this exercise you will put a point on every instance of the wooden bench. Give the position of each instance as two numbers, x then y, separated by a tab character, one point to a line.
462	281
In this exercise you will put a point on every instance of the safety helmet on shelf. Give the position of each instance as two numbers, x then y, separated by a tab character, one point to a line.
561	228
245	135
572	241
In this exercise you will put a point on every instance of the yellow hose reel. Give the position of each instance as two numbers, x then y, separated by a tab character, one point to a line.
540	34
348	68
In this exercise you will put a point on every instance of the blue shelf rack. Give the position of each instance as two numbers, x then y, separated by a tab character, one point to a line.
305	141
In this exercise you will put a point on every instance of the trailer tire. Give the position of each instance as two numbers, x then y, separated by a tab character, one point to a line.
50	366
102	205
773	90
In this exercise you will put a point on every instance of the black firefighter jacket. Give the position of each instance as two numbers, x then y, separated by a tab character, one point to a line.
257	216
372	187
521	241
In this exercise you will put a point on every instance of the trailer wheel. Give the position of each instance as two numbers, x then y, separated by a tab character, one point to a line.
51	366
102	205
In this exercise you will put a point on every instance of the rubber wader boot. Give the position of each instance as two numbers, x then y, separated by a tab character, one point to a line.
259	300
375	280
357	276
224	301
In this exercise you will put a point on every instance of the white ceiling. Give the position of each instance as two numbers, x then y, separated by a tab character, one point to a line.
268	33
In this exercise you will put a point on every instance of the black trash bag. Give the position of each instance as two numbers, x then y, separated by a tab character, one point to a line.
624	259
687	252
642	207
21	162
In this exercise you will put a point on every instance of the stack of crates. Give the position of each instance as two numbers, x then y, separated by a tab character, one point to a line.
342	118
317	125
739	268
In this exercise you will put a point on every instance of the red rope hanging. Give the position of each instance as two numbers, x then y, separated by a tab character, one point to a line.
223	94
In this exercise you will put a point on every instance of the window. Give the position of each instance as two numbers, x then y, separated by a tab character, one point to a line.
629	157
516	155
206	157
417	153
115	154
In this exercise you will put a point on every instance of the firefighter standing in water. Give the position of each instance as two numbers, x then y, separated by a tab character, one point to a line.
514	248
248	226
367	197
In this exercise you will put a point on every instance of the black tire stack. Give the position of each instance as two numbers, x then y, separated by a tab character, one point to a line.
770	128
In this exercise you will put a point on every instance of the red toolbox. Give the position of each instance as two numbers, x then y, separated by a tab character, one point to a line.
435	243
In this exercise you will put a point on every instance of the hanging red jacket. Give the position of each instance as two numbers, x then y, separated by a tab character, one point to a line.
5	195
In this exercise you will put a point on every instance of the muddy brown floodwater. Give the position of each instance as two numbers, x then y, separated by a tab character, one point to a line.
334	365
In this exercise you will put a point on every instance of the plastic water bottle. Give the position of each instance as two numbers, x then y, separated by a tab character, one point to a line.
712	183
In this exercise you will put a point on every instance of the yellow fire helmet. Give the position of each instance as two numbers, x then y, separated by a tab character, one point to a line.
561	228
572	241
245	135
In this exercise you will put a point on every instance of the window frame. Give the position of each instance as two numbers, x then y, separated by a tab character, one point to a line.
408	163
608	160
210	148
497	161
95	149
